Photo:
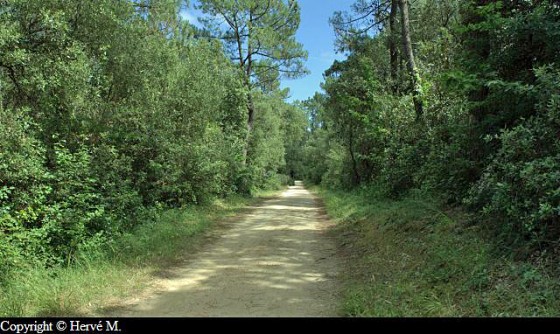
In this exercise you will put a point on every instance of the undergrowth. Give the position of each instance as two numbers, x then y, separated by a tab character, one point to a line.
410	258
101	277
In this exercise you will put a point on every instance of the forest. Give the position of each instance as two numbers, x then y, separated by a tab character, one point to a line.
115	114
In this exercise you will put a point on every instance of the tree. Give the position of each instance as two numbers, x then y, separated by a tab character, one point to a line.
410	62
259	36
366	16
375	16
351	106
370	16
295	128
107	108
393	45
313	107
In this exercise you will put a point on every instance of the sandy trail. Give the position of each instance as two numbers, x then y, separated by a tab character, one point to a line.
275	261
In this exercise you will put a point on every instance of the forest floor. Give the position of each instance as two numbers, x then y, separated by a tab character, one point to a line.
278	259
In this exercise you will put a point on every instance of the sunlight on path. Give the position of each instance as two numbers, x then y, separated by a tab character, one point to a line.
276	261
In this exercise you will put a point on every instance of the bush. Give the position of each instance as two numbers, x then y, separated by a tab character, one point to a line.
337	174
24	192
519	188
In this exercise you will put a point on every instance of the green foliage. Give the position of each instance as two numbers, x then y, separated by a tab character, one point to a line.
295	128
276	125
314	163
353	109
520	185
488	140
102	277
23	190
409	258
259	37
336	169
111	112
489	134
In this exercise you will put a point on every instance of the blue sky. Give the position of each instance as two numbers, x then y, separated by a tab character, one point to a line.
317	38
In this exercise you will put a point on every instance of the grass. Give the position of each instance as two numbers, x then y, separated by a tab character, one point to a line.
100	280
410	258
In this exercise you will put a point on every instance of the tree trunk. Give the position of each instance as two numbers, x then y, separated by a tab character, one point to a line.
248	71
393	45
250	125
411	64
357	178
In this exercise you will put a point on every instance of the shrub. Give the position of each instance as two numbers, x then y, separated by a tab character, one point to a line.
520	186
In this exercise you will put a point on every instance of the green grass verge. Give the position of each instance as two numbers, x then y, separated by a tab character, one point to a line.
409	258
102	278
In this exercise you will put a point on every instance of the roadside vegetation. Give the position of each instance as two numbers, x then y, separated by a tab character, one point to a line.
435	145
121	125
410	257
102	279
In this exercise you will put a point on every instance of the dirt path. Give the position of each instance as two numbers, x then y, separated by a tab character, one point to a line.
275	261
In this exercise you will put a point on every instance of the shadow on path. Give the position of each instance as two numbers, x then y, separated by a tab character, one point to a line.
276	261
